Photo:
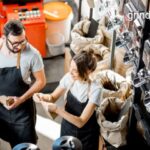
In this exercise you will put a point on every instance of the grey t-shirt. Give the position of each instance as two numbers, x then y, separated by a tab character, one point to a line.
30	61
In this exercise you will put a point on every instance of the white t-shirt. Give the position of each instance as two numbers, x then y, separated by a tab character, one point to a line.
30	61
79	89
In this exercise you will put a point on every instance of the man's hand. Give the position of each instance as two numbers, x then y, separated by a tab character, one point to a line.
15	104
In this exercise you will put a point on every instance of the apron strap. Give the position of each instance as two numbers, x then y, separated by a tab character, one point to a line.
89	86
65	96
18	60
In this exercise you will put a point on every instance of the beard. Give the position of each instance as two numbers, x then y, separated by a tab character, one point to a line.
15	49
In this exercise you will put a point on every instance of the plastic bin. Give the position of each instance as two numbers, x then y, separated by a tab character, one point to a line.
58	18
55	44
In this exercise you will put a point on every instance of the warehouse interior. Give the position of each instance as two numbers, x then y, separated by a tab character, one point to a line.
118	33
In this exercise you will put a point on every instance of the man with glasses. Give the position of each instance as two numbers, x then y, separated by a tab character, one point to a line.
15	46
18	60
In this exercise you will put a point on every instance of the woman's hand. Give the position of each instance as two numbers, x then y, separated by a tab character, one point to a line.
50	109
38	97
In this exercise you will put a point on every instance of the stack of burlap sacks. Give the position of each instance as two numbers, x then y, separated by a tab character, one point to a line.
116	83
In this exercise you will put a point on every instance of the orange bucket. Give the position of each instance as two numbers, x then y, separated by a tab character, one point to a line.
58	18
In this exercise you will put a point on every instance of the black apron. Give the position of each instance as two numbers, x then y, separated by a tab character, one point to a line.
17	125
89	133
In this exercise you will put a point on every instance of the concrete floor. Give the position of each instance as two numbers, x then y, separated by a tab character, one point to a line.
48	130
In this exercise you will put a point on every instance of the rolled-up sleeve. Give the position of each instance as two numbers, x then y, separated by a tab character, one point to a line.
37	62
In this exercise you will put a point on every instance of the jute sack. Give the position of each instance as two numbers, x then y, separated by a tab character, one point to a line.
113	119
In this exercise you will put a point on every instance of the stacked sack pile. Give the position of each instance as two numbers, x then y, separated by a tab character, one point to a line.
116	83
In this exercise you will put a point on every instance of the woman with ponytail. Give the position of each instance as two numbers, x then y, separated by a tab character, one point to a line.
82	98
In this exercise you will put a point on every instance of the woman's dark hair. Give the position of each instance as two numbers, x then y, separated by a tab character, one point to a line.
85	62
13	27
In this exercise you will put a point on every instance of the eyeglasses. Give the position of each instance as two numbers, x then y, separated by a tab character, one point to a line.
16	44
